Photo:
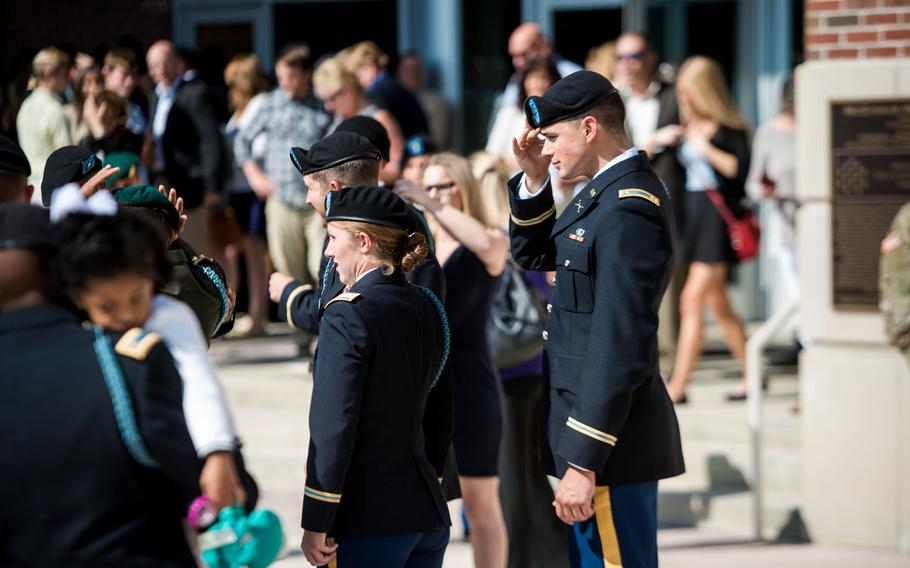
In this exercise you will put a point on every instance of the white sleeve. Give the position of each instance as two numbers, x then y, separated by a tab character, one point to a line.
204	405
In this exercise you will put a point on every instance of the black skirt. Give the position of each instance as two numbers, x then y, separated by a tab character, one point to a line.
704	234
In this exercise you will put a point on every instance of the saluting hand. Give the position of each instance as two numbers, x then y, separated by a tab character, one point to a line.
527	149
317	551
410	191
96	182
575	496
177	202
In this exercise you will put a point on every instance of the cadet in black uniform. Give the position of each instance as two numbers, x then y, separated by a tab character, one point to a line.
612	430
74	493
341	159
383	343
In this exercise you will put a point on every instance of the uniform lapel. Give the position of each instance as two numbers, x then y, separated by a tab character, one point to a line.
587	197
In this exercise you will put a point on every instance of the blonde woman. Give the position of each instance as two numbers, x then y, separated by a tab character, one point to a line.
536	536
473	255
245	81
343	95
602	59
714	151
42	122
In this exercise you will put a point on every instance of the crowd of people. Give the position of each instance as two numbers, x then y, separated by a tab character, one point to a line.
335	196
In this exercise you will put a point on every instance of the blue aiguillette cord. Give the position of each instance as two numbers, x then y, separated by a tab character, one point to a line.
120	397
446	332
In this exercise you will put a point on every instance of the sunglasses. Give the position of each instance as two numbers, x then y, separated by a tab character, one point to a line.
440	187
630	56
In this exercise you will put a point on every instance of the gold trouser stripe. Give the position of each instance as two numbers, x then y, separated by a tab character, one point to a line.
535	220
603	515
297	291
333	563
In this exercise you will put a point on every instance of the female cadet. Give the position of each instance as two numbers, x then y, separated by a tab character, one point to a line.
383	343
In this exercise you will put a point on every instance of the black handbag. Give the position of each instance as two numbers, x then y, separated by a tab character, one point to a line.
517	320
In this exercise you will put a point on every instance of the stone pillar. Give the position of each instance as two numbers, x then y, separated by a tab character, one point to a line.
853	138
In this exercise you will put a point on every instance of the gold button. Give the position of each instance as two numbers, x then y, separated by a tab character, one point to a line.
549	308
546	335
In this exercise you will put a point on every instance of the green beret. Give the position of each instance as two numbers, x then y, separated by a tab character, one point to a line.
126	161
148	197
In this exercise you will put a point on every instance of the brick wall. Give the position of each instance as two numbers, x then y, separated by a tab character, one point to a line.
857	29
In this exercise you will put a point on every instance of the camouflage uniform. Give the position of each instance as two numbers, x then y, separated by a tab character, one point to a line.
894	281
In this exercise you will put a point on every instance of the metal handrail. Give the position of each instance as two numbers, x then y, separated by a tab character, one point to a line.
754	365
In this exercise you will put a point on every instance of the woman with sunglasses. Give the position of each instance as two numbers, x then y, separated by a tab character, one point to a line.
473	256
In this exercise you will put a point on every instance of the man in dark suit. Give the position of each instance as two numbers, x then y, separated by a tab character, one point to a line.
186	130
73	493
611	428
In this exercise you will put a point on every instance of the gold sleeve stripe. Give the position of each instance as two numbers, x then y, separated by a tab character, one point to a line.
623	193
535	220
297	291
322	495
591	432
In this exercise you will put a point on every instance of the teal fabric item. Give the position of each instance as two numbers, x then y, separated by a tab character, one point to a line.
222	292
120	397
237	539
446	332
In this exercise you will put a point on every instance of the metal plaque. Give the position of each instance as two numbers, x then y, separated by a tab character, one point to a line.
870	161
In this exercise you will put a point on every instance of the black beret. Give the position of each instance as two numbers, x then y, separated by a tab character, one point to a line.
368	204
24	226
148	197
12	158
567	98
335	149
70	164
369	128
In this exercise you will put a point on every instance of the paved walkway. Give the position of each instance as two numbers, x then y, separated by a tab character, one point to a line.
270	393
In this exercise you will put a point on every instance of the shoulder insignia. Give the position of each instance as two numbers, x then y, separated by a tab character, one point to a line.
136	343
345	297
640	193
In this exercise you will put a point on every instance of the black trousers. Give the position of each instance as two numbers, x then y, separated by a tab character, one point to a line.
536	536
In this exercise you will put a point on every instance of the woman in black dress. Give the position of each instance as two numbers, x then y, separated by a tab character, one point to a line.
715	153
473	256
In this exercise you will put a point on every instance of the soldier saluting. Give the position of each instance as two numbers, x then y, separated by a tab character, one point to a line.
611	428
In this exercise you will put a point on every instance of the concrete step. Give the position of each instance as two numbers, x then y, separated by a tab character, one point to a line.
715	491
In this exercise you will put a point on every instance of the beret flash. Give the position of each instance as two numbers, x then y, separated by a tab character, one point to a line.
567	98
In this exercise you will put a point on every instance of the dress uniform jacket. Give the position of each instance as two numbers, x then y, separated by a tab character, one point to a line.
368	474
70	493
608	409
300	307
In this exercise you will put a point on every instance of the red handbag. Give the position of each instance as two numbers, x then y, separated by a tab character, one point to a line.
744	233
